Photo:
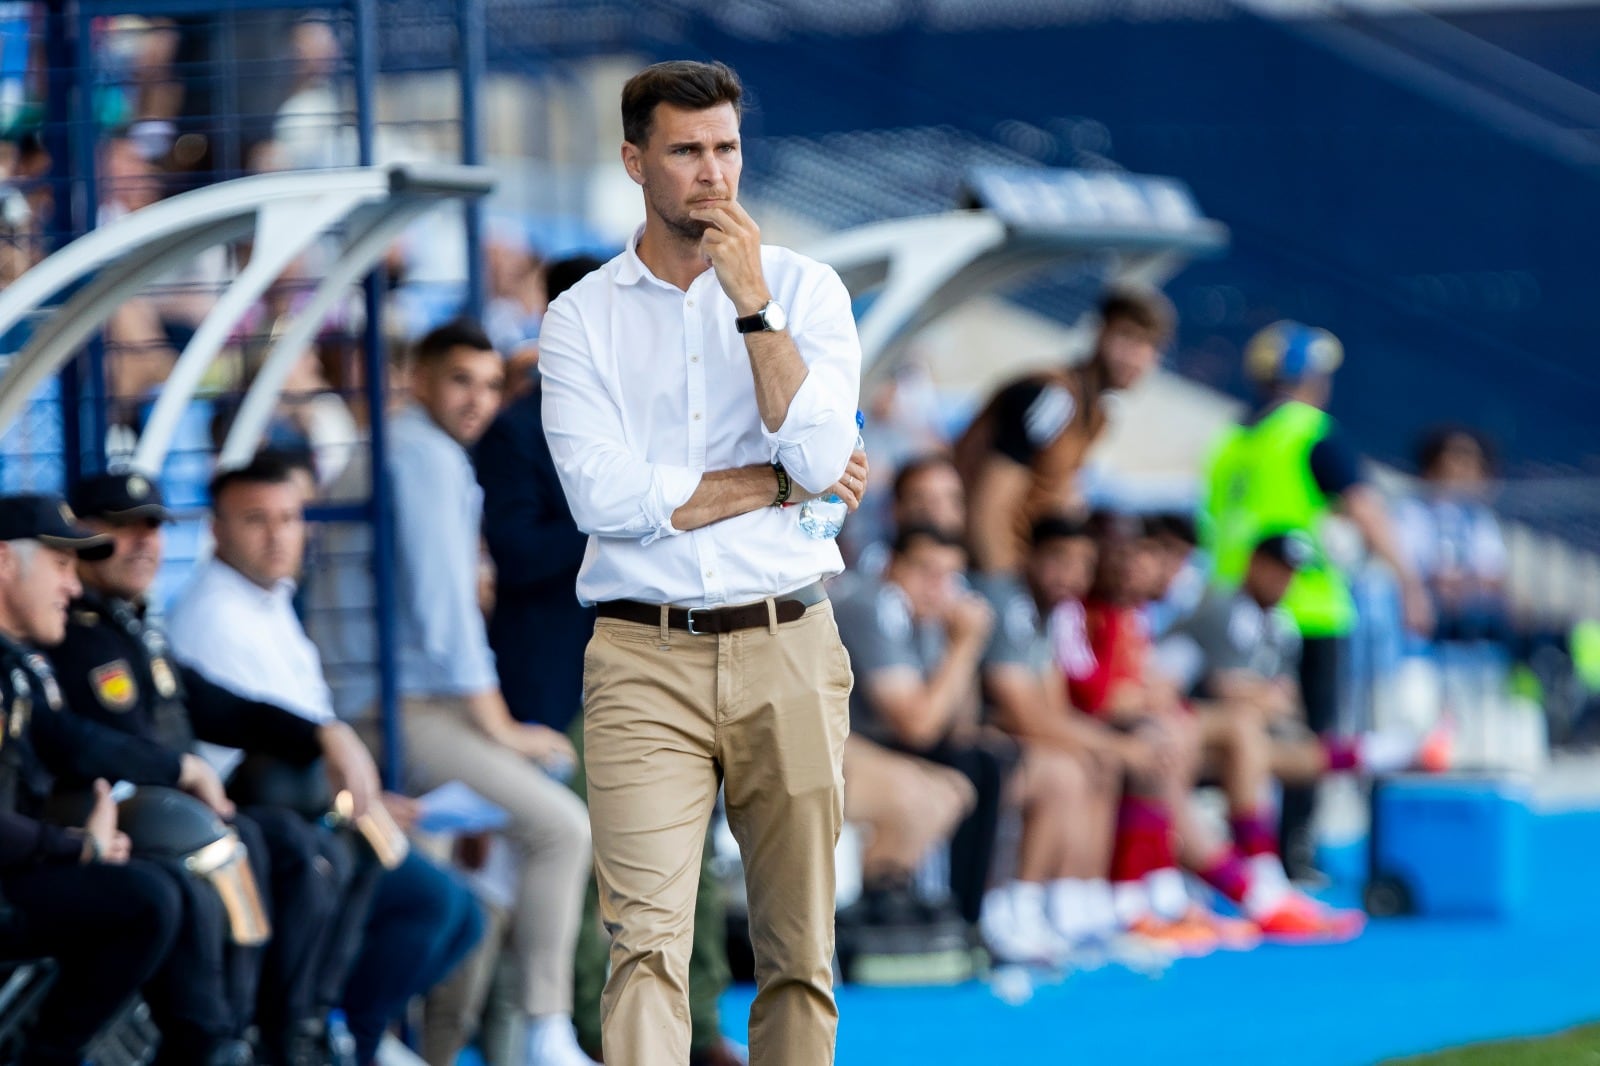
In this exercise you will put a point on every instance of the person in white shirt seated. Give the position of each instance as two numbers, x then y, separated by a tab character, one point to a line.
236	624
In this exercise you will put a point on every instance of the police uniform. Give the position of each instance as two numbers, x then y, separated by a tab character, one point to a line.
108	927
116	669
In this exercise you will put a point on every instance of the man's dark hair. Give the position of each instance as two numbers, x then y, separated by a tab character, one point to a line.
911	536
459	333
1432	446
563	274
267	468
1146	308
1057	527
681	83
1107	525
1174	524
914	467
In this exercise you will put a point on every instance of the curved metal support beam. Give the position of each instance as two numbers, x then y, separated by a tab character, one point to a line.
283	231
923	268
70	325
127	254
188	212
248	428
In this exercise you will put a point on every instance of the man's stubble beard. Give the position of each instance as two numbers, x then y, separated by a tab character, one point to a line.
680	226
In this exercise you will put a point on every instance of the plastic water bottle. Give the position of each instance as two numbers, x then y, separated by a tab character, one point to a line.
823	516
341	1042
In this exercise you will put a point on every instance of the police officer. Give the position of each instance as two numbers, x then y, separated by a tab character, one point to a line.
72	894
115	668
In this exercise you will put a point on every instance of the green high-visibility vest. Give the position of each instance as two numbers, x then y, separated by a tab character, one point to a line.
1258	483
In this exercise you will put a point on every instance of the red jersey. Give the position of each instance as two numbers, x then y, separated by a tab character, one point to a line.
1111	651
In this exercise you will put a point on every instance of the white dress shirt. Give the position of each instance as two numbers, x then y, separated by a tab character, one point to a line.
248	639
646	387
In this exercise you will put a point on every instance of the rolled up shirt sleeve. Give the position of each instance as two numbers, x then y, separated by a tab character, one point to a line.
612	490
819	431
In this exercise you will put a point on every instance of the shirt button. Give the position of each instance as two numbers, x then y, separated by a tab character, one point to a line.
689	302
697	416
710	573
694	359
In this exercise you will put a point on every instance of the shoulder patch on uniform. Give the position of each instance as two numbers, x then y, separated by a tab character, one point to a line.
85	618
47	680
21	702
114	686
1049	415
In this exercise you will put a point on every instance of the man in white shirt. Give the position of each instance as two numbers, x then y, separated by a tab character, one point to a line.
236	624
692	386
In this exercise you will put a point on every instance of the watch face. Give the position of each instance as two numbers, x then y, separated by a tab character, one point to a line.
776	320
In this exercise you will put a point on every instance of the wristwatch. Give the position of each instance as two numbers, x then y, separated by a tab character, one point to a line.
770	319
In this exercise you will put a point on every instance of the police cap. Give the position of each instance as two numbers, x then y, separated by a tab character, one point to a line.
124	496
48	519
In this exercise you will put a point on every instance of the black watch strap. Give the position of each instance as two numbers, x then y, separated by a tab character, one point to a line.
785	486
755	323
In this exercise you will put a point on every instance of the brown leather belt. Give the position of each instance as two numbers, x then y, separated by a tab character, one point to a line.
715	620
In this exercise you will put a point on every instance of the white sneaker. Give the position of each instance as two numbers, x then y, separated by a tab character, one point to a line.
1016	928
552	1041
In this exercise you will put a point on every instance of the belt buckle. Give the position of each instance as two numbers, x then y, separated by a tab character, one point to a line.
689	622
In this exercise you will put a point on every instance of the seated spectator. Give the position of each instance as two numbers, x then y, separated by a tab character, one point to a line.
454	718
927	492
1182	568
916	640
236	624
1453	540
1100	645
1122	683
1238	657
1025	696
71	894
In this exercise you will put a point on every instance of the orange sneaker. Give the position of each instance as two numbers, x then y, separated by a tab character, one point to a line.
1184	938
1438	749
1300	919
1233	934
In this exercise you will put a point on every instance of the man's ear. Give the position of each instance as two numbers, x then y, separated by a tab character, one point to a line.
419	381
633	162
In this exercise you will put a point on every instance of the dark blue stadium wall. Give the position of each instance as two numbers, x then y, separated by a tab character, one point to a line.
1456	262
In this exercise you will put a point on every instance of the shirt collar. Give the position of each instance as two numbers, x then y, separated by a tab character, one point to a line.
281	591
415	412
630	268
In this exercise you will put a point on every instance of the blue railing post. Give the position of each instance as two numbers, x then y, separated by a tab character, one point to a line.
472	37
70	140
377	389
86	376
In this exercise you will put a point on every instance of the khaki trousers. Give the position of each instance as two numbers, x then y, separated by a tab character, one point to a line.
548	829
666	715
